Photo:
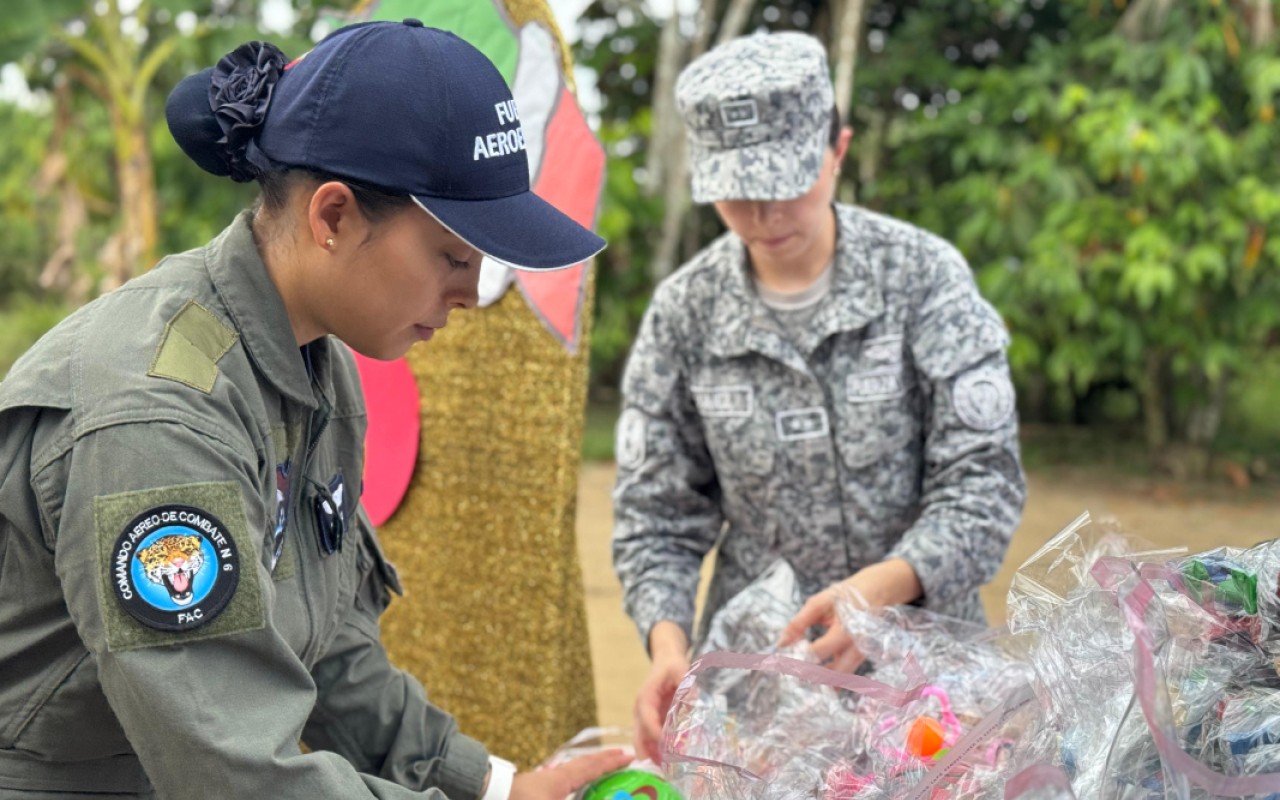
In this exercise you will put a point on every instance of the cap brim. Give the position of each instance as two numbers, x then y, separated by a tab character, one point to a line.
781	170
522	231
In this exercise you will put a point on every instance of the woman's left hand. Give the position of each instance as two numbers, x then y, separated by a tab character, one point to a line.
888	583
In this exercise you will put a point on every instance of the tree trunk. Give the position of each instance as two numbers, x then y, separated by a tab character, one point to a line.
1264	23
677	194
702	28
846	51
677	199
58	274
666	123
871	146
115	69
692	234
735	19
1144	18
1155	423
137	193
1205	420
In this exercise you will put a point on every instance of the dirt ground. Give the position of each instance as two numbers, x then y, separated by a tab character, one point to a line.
1164	514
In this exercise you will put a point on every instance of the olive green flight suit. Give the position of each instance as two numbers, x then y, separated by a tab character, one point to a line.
182	399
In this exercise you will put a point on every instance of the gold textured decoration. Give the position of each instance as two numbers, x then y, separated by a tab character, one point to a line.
493	621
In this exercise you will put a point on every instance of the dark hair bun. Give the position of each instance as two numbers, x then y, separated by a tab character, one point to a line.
193	125
215	115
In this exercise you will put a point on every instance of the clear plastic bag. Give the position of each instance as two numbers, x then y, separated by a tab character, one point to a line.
1155	668
776	726
592	740
753	619
962	737
1127	673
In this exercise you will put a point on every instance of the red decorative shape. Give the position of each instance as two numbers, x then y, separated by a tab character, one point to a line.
570	179
391	443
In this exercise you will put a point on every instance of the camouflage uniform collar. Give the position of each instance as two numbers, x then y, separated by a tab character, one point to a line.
743	324
258	312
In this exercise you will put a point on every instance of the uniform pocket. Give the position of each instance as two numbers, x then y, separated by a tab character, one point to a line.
880	412
742	447
75	723
378	576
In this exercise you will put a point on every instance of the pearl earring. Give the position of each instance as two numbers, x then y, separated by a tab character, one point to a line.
328	242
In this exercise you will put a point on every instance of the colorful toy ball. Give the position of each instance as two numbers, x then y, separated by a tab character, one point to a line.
925	738
630	784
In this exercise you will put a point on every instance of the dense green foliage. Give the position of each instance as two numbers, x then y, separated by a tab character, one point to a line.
1114	188
36	166
1115	192
1116	199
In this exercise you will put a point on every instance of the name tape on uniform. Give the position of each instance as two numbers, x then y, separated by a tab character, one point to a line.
883	349
871	385
724	401
797	424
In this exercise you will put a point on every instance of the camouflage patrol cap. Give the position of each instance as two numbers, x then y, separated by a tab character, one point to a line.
758	114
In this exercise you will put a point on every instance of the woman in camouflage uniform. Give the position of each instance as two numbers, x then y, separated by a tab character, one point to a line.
821	384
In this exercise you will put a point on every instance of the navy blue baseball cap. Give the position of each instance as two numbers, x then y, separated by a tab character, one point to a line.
397	105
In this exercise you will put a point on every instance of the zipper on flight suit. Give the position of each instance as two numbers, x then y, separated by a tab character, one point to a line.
325	412
314	433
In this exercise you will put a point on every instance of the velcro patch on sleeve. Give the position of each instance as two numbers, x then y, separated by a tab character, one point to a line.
631	434
194	341
176	564
984	398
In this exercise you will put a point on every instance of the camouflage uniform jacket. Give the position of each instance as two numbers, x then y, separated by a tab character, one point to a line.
888	430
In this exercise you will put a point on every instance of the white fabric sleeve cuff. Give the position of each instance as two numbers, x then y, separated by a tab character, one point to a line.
501	776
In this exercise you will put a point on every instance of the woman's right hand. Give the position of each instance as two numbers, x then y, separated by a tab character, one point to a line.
669	648
560	782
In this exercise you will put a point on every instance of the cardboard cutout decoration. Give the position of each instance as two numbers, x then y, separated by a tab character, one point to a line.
493	619
391	442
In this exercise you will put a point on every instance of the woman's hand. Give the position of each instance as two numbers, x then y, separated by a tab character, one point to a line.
564	780
669	649
889	583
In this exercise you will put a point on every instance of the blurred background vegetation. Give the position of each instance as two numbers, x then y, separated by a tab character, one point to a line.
1108	167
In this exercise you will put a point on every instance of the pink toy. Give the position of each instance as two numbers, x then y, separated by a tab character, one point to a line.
844	784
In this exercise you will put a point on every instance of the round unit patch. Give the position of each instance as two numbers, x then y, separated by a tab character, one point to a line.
630	447
984	399
174	567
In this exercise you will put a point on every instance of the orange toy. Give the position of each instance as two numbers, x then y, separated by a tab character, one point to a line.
925	737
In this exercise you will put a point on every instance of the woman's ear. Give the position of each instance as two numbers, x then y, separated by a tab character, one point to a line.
334	218
842	144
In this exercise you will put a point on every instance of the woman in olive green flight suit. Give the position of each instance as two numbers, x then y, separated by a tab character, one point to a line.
188	585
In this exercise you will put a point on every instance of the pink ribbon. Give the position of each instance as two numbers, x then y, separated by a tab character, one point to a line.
1040	776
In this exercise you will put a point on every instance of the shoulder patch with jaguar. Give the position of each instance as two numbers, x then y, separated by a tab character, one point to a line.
174	567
